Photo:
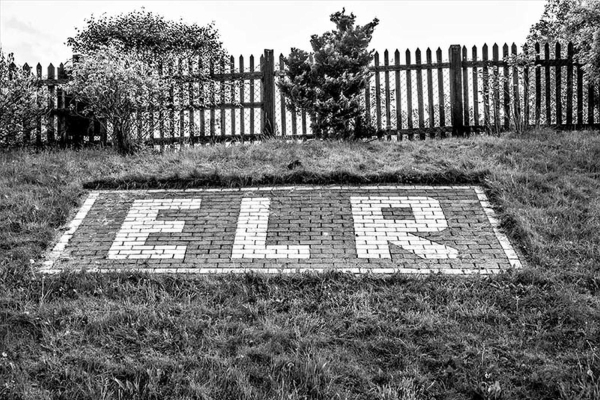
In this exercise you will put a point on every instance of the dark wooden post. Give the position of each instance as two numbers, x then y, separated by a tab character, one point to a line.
558	80
465	87
76	126
570	53
62	108
538	86
456	98
12	134
282	98
377	91
38	124
51	96
398	95
268	92
475	87
506	88
441	96
27	125
251	98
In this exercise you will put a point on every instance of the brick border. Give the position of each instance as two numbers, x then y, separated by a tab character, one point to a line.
511	254
66	237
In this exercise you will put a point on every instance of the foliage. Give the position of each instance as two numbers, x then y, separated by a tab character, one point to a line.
153	44
117	90
495	84
151	37
22	101
575	21
552	24
328	82
583	29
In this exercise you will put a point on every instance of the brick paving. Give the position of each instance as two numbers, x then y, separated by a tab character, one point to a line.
360	229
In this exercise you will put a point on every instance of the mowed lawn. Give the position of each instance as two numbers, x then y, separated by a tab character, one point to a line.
527	334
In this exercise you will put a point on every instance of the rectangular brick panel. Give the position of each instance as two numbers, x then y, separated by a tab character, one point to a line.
379	229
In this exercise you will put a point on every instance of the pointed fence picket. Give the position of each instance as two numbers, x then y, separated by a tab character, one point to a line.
570	84
430	90
475	79
408	93
441	96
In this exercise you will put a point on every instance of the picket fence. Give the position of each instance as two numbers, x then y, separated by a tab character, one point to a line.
456	96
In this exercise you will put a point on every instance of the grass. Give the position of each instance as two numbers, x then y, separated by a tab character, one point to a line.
529	334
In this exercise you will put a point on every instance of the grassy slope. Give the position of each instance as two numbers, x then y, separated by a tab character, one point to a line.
528	334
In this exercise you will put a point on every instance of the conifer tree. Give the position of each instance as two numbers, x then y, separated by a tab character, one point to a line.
328	82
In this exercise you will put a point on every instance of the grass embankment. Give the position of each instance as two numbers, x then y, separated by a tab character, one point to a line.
525	334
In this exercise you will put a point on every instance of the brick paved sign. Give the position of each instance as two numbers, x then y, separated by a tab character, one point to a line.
378	229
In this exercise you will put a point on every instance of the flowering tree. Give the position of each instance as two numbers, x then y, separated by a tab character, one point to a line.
118	90
22	101
328	82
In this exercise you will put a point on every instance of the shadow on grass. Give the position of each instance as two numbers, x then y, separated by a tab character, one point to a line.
448	177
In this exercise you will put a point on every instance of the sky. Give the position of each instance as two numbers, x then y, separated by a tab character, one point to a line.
36	30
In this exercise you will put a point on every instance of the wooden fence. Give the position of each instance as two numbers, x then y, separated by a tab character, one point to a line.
428	98
471	94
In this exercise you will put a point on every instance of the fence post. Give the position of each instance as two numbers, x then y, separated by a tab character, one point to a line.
456	98
51	97
268	92
62	108
76	126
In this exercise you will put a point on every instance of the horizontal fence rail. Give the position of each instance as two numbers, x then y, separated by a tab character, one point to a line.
410	95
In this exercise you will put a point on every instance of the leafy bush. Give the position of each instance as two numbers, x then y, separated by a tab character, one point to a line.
573	21
495	84
147	49
152	38
22	101
118	90
328	83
